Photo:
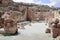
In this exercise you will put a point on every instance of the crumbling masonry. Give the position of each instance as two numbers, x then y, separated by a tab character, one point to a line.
18	12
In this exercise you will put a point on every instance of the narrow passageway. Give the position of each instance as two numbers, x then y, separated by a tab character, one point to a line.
36	28
35	32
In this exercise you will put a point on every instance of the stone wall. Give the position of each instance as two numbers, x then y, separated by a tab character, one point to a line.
26	11
39	13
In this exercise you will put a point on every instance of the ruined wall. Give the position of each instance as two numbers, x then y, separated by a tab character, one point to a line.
26	11
40	13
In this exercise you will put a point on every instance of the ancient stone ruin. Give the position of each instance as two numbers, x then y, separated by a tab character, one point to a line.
12	13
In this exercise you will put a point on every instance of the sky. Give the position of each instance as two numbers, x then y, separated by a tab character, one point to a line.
55	3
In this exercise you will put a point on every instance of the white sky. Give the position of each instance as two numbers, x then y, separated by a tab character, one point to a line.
52	2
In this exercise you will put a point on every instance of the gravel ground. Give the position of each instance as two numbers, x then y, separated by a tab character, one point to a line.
34	32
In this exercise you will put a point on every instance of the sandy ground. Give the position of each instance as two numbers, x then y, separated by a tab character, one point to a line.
34	32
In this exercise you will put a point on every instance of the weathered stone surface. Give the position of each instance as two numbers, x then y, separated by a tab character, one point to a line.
48	30
10	26
1	22
18	12
55	27
28	11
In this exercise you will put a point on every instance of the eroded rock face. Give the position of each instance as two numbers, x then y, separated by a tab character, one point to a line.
22	12
10	26
1	22
28	11
1	13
